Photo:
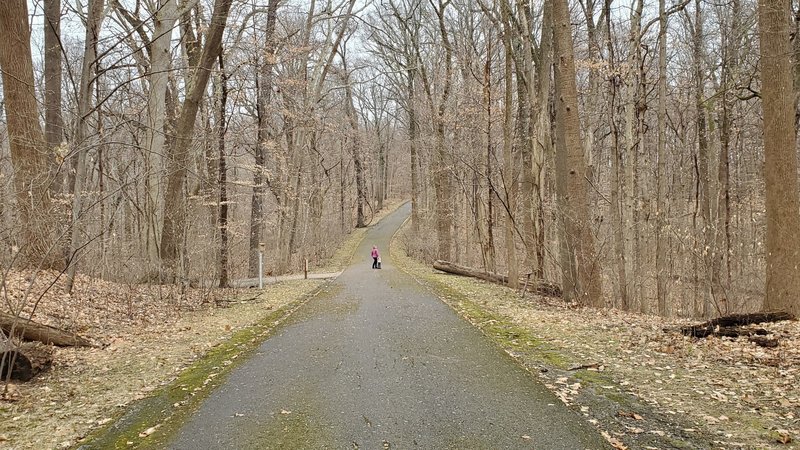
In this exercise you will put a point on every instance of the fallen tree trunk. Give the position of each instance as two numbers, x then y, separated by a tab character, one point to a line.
32	331
734	320
540	287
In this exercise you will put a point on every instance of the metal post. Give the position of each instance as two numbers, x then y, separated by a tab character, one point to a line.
305	271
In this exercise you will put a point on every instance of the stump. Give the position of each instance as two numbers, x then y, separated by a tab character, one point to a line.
17	364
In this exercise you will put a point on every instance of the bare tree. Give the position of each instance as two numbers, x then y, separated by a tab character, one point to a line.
54	122
29	153
585	286
175	203
780	160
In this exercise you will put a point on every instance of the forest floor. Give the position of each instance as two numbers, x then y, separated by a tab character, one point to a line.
145	337
653	380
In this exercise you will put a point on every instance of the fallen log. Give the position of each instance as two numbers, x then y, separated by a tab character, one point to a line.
734	320
32	331
540	287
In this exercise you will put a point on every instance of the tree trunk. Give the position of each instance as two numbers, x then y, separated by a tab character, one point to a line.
509	180
488	223
544	139
780	160
29	154
175	217
222	222
442	168
265	137
32	331
53	121
633	138
587	285
158	76
616	174
355	139
661	172
729	70
412	142
93	23
537	286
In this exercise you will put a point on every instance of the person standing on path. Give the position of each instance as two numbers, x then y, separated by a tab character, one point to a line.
375	256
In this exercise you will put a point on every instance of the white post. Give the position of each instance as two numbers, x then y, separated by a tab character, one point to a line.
260	270
261	247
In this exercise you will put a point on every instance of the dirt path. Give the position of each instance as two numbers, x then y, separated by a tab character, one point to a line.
378	362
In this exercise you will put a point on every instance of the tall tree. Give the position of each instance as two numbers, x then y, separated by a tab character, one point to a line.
94	21
508	157
29	154
441	172
585	286
222	180
661	165
780	159
155	139
175	215
265	136
53	121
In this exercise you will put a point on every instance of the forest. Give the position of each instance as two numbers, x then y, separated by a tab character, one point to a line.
641	155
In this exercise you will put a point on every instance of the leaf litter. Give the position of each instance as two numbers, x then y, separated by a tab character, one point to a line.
144	335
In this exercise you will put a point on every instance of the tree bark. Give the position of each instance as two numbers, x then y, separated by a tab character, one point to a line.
616	174
633	138
264	135
155	138
509	179
544	139
29	154
222	222
537	286
32	331
442	168
780	160
53	120
355	140
661	166
587	285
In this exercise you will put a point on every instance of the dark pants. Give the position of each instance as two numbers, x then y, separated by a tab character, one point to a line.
375	262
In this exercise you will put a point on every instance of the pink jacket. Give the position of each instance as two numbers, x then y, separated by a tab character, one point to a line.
374	252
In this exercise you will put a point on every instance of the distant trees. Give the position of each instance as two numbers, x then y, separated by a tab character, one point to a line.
614	150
